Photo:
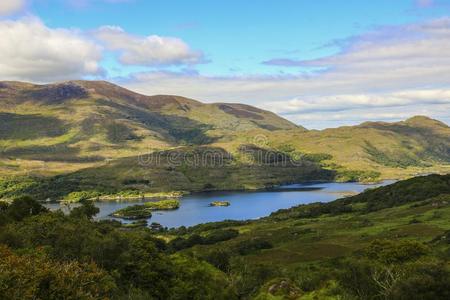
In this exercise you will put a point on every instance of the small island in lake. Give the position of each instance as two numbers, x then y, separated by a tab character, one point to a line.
163	204
144	211
136	224
219	203
134	212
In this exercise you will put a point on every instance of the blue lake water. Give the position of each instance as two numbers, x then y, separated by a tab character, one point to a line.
195	209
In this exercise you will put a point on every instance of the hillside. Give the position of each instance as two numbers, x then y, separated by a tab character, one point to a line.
345	249
76	124
186	169
335	250
395	150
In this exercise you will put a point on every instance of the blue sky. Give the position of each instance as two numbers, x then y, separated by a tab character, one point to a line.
236	35
306	60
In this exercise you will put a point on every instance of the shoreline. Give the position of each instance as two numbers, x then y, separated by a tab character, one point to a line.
180	194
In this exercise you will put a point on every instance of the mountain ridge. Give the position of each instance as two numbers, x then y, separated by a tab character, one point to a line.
78	89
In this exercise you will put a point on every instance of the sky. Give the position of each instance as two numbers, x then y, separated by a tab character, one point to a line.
322	63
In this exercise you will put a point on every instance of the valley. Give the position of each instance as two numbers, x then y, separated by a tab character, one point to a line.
224	150
101	140
168	196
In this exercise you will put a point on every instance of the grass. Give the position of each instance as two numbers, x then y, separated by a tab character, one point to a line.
316	239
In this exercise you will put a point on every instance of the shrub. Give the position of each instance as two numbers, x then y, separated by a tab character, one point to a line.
196	239
391	252
253	245
37	277
220	235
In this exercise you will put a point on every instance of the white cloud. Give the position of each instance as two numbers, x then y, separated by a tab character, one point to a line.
8	7
31	51
151	50
357	116
361	101
401	68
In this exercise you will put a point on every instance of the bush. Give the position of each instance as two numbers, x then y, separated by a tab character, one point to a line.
219	259
253	245
37	277
219	236
196	239
425	281
394	252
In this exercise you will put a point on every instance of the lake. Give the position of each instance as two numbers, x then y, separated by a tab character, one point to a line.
195	209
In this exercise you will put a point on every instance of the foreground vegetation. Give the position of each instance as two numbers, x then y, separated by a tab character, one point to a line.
391	242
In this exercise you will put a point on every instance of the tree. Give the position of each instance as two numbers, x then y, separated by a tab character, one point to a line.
24	207
86	210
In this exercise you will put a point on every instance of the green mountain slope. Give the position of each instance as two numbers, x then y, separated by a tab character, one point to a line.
395	150
90	121
67	127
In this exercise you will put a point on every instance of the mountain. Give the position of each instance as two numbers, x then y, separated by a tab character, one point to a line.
93	136
395	150
94	121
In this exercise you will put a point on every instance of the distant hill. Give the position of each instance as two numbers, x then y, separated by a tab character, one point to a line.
417	145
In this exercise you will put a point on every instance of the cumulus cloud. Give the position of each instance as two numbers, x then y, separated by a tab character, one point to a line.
399	68
8	7
31	51
151	50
